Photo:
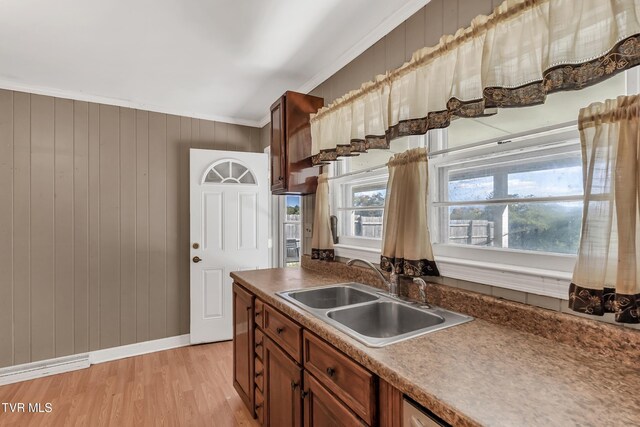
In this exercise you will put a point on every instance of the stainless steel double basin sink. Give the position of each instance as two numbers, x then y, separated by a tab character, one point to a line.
370	316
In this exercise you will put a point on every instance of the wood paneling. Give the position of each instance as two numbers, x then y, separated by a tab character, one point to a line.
81	225
63	225
127	225
157	225
415	33
94	223
142	226
21	227
6	224
109	226
433	24
94	227
42	228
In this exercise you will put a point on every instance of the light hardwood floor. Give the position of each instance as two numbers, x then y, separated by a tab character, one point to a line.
189	386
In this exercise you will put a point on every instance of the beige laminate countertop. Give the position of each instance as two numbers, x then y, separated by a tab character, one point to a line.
478	373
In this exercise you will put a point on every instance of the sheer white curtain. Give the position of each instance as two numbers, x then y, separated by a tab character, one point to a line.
523	51
606	274
406	242
321	238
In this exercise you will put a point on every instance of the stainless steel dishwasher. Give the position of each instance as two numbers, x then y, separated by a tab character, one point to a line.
414	416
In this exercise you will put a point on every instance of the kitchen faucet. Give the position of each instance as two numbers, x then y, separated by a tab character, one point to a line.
392	283
422	287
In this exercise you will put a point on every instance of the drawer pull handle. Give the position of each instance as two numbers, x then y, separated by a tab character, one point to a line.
304	394
294	385
258	374
331	372
279	330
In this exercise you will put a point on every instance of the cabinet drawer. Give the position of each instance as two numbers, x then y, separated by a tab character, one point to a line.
321	408
259	375
284	332
259	344
259	313
259	408
350	382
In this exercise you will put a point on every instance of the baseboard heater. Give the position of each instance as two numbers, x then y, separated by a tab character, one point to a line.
28	371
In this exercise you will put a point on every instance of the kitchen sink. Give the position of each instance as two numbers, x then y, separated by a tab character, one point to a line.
385	319
332	296
371	316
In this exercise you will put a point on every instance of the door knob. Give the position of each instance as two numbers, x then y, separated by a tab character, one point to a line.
197	259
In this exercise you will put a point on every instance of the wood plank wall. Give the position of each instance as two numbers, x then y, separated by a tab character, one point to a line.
94	223
424	28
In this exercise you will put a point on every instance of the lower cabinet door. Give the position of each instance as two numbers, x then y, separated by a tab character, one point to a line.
282	388
323	409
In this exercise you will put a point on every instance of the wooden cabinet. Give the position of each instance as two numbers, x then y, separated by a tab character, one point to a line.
287	376
243	349
282	385
321	408
343	377
291	168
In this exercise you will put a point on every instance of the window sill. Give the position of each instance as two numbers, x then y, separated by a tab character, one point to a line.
349	251
537	281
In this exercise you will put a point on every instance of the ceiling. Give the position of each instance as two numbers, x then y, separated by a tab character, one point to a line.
225	60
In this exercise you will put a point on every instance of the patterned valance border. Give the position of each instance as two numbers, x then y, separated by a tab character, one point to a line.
408	267
597	302
623	56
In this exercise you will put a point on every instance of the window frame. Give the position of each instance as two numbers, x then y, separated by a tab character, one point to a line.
340	174
341	190
542	273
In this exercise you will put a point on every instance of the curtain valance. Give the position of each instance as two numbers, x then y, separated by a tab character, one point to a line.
514	57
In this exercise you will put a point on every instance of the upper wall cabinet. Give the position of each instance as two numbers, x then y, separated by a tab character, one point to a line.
291	169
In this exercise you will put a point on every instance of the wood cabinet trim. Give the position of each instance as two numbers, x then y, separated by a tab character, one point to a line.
390	404
247	301
259	343
259	313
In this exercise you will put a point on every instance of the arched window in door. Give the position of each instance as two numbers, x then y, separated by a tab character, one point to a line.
229	171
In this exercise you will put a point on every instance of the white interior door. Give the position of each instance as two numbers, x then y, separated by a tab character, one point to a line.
229	232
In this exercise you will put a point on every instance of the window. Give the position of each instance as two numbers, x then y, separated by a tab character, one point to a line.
358	188
523	199
229	172
291	230
506	193
505	196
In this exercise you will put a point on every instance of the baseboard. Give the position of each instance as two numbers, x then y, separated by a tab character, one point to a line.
59	365
137	349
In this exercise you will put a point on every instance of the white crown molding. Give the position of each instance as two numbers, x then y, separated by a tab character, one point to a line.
82	96
357	49
43	368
